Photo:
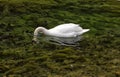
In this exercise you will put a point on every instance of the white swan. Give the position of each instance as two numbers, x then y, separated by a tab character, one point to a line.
63	30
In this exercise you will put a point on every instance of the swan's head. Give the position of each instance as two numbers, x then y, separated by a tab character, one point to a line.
35	40
37	31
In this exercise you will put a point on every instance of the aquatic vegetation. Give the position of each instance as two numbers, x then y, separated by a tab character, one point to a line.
96	55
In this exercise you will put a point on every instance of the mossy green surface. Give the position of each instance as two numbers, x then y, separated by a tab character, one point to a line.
97	55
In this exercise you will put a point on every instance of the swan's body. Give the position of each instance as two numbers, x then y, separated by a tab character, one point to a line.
63	30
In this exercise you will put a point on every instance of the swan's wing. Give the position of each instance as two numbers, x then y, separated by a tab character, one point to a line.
67	28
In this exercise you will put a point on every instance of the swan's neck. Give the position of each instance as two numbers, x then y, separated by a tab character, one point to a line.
40	30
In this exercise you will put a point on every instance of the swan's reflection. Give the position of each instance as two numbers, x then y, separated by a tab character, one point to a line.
68	41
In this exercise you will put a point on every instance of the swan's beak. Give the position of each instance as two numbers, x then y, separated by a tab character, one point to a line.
34	40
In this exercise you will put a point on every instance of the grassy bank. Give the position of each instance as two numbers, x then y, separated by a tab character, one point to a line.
96	56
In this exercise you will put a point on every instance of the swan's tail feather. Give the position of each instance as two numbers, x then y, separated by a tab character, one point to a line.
84	31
